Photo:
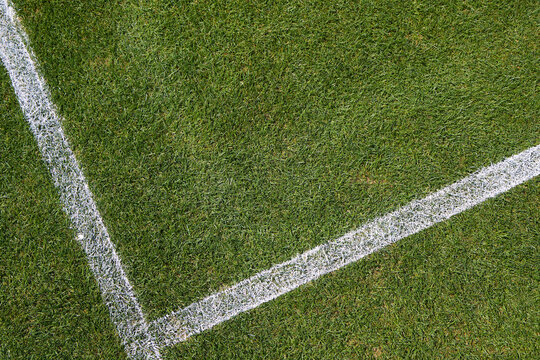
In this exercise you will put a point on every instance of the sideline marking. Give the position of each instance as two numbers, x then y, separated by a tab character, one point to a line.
34	99
143	340
372	236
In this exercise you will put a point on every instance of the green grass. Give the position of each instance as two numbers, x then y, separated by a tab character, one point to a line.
50	305
222	137
466	289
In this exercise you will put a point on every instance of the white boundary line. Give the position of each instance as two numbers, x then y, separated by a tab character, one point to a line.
75	195
141	340
410	219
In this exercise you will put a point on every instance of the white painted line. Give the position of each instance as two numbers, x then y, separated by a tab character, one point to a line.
142	341
410	219
75	195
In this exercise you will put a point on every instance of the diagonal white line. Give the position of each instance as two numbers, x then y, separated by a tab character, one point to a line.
410	219
142	341
75	195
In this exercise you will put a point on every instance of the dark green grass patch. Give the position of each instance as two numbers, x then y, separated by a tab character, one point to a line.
50	306
221	137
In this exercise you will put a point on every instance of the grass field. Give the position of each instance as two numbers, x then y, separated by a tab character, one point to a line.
220	138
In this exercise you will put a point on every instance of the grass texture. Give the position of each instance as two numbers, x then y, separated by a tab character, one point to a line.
221	137
50	305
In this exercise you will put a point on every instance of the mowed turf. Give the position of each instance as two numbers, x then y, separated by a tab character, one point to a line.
50	305
222	137
464	289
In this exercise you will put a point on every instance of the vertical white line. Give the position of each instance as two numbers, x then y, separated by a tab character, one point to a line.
37	107
410	219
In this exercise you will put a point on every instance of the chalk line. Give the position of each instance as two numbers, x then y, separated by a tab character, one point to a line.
405	221
75	194
143	340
